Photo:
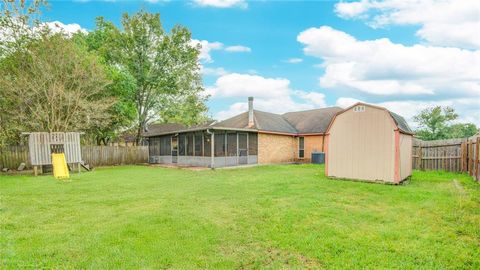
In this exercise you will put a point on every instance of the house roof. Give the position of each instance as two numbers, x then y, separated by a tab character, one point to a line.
156	129
302	122
311	121
263	121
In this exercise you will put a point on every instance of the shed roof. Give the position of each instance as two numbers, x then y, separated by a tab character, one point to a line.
401	123
399	120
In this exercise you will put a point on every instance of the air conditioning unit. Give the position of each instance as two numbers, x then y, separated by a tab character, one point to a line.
318	158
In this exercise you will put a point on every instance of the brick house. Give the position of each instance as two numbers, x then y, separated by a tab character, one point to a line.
252	137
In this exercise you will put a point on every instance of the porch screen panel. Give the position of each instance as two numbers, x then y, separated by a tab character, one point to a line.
181	145
207	145
232	144
219	144
189	144
198	144
154	146
242	141
157	146
165	146
252	144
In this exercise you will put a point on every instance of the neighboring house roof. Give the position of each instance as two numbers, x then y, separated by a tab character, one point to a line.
312	121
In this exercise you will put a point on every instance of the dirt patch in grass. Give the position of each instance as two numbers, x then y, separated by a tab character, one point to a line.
257	256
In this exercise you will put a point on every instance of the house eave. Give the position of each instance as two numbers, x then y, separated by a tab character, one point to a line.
200	129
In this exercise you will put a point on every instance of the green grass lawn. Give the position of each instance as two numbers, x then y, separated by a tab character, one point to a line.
274	217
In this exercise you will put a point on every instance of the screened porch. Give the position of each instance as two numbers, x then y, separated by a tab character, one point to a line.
230	148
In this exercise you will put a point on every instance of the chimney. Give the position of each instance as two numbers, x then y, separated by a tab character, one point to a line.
250	112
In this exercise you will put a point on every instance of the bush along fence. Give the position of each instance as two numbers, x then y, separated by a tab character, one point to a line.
12	156
455	155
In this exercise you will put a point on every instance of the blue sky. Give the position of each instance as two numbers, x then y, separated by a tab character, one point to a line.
294	55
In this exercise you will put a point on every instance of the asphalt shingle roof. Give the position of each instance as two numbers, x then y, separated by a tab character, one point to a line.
312	121
156	129
302	122
262	121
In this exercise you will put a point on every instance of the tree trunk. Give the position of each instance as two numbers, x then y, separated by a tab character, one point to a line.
139	134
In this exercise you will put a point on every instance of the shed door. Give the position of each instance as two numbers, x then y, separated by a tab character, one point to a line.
242	148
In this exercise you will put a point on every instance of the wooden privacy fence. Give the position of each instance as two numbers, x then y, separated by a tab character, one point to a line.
455	155
114	155
12	156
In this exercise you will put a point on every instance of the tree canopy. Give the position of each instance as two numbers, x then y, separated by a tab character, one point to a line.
437	123
164	66
54	85
108	81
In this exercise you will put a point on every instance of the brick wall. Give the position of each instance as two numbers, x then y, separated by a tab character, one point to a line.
313	143
274	148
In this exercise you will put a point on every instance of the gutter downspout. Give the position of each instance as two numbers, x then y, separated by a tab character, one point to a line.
212	149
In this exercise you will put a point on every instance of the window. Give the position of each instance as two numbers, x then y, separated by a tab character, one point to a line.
301	147
190	144
231	144
359	108
181	145
207	145
198	144
220	144
252	144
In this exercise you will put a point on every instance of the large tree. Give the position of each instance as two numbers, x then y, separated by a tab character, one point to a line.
54	85
19	26
436	123
164	65
122	88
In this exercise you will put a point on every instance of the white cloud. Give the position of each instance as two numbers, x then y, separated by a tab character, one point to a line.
381	67
315	98
206	48
294	60
271	94
468	109
221	3
236	84
67	29
213	71
238	48
442	22
345	102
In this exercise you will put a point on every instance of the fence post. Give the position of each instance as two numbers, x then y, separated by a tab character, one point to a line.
477	158
470	153
420	156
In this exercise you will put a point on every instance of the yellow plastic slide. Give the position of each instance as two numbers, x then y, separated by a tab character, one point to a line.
60	168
